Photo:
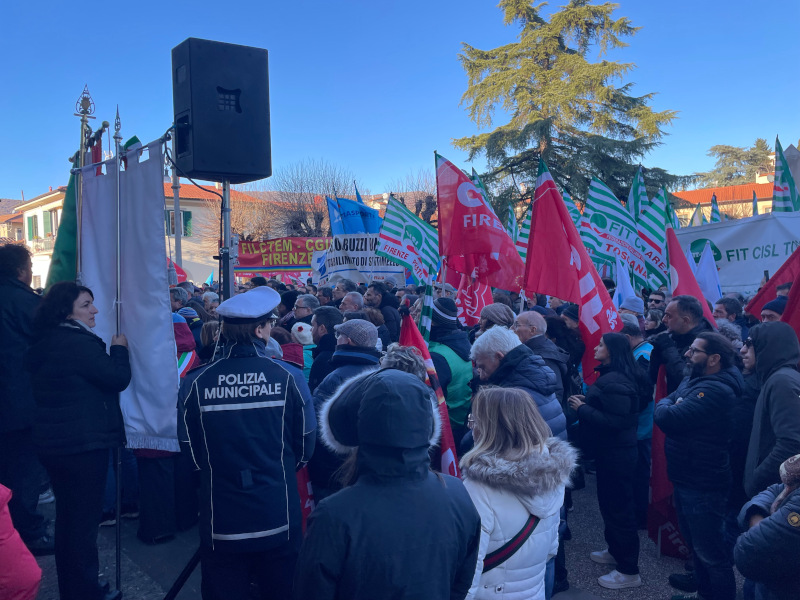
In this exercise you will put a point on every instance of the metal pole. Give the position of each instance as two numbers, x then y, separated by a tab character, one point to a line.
79	196
118	450
226	283
176	200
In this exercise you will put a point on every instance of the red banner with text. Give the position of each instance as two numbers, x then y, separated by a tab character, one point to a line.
279	255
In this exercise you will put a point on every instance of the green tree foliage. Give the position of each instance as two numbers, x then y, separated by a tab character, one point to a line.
736	165
576	114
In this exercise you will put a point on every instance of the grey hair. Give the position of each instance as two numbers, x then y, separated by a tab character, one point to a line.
357	298
347	284
211	297
405	358
533	318
310	301
494	340
180	294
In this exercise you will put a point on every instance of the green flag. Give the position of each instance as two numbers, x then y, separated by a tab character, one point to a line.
755	203
511	226
614	231
571	207
716	216
426	315
407	240
637	197
524	234
784	191
63	263
653	232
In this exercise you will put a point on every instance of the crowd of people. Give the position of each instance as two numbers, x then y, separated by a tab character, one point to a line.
287	383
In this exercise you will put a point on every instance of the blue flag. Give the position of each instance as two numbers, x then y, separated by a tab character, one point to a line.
210	279
335	217
359	218
358	196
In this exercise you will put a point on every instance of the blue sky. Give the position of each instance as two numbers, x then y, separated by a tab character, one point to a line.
374	86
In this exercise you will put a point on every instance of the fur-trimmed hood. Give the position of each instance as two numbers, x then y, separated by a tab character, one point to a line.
539	476
348	399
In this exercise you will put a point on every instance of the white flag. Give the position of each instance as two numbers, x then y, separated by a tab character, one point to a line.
707	275
149	405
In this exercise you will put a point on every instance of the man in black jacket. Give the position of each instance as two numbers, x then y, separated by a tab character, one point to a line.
531	327
696	421
377	296
776	422
323	335
20	469
355	354
684	320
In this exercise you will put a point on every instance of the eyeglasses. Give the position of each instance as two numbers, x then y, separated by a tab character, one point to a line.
297	307
470	421
692	351
272	322
748	342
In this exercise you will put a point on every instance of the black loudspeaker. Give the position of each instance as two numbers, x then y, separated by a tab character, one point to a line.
220	95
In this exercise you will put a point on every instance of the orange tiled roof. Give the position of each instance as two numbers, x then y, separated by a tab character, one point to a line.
11	217
196	193
730	193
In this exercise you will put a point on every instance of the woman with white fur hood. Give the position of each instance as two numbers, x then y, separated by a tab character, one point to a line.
515	475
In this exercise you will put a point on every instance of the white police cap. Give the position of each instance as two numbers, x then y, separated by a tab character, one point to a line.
250	307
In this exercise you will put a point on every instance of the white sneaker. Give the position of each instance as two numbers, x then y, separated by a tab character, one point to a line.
603	557
619	581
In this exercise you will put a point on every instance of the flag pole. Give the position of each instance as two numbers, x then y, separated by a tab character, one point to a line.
84	108
118	449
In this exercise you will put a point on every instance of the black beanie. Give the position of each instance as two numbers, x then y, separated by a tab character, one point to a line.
445	313
572	312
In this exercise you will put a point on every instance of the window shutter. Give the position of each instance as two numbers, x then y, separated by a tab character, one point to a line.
187	223
30	228
47	224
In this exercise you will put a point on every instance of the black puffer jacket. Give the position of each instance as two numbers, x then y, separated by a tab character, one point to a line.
696	418
391	317
16	317
400	531
609	417
741	426
668	350
555	358
769	553
521	368
322	354
776	423
76	386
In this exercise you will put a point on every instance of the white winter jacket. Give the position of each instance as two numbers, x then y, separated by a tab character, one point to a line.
505	493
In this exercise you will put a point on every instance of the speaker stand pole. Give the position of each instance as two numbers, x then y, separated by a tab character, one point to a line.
226	277
177	217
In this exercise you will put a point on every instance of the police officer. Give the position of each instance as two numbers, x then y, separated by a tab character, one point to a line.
249	421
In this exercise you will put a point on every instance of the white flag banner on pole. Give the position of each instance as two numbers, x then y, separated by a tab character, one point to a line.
707	275
149	405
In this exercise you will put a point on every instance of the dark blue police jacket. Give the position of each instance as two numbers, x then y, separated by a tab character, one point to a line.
249	421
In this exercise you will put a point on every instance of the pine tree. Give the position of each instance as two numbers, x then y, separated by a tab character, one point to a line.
563	108
736	165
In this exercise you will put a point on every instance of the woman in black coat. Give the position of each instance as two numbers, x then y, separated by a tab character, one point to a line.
76	386
608	416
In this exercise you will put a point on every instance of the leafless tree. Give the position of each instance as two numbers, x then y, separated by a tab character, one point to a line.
417	190
295	196
250	220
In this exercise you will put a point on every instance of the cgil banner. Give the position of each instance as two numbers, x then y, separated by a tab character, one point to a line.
353	257
745	248
286	254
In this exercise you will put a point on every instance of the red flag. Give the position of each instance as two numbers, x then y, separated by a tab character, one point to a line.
306	492
789	271
662	518
180	272
472	296
559	265
791	313
97	153
410	336
471	237
682	278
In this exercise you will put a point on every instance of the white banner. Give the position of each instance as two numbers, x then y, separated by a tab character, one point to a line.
149	405
745	248
353	257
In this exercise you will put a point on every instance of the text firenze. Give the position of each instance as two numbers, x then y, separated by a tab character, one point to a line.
242	385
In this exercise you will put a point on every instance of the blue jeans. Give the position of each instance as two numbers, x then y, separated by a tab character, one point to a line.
701	517
549	578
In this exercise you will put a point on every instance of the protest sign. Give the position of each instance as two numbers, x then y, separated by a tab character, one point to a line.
745	248
353	257
287	254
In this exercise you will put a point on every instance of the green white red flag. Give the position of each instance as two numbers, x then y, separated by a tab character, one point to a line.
559	265
637	197
524	235
716	215
652	227
411	336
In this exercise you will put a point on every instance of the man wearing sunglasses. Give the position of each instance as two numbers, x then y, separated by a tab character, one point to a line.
696	419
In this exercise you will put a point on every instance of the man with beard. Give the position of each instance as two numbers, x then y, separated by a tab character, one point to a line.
696	421
378	296
684	320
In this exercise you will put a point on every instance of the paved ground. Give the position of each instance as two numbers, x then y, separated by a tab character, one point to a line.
149	571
